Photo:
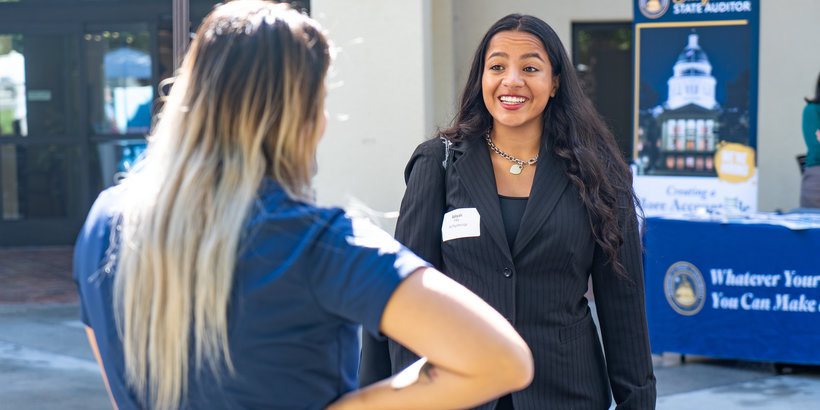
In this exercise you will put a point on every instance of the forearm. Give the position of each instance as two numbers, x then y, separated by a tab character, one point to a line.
92	340
474	353
423	385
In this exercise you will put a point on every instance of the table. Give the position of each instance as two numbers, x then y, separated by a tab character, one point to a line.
745	289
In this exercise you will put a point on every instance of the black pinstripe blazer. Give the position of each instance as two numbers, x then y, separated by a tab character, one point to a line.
538	285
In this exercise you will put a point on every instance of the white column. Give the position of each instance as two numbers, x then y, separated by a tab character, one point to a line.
379	100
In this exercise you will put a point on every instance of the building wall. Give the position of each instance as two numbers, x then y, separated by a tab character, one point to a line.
379	101
789	66
445	94
402	65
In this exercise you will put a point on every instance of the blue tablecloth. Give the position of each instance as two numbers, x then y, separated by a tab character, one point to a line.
733	290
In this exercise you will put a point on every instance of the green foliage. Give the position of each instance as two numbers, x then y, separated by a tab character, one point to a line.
6	119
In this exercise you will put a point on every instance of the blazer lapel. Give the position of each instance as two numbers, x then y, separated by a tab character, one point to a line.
475	170
548	185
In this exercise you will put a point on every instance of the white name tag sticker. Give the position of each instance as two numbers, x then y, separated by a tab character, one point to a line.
461	223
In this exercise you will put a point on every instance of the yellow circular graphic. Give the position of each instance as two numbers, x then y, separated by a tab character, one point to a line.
653	8
684	288
734	162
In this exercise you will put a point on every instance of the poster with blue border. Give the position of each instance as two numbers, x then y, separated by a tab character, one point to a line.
695	113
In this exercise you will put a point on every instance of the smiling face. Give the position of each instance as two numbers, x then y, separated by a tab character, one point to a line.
517	81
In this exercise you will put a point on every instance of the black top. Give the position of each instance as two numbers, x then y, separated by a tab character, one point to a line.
512	210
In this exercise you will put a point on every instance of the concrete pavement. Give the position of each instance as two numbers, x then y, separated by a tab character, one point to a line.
45	363
704	383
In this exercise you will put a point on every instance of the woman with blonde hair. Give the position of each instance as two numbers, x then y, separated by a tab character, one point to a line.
208	279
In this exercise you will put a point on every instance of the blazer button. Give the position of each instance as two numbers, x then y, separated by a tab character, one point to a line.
507	272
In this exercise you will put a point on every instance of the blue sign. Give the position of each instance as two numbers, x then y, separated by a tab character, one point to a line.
724	290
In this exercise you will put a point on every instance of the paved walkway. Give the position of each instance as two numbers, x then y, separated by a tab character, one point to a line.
36	275
45	362
705	383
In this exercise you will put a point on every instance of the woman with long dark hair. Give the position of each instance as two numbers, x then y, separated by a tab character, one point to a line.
810	185
209	279
523	199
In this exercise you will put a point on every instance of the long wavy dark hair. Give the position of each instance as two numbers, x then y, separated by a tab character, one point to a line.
816	98
574	130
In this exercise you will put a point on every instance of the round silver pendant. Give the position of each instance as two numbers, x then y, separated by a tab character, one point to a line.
515	169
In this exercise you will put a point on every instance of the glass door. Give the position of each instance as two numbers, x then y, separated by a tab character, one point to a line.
40	184
120	73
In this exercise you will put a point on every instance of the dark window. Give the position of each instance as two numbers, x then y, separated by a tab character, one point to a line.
119	79
37	85
602	53
111	159
39	181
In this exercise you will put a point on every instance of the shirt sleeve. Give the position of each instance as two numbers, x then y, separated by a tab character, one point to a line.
422	207
811	123
621	307
355	267
89	251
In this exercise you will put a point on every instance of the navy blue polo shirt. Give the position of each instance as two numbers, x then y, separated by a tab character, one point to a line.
305	278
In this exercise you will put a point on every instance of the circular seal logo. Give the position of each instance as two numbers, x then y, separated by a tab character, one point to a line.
684	288
653	8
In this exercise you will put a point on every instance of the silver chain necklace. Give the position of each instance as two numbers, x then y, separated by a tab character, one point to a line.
518	165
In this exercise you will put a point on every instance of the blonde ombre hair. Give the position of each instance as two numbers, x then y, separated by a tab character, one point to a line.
247	102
